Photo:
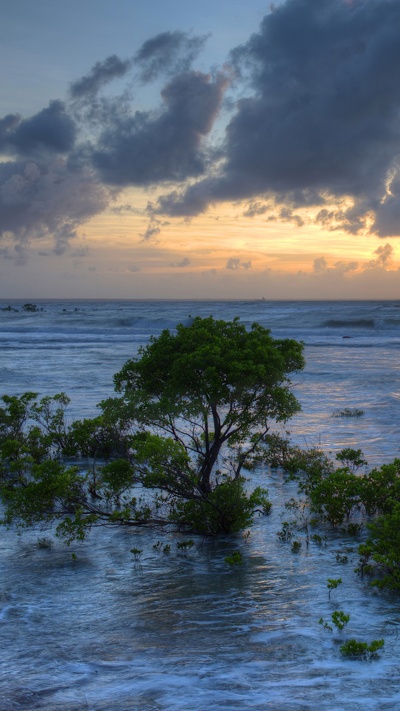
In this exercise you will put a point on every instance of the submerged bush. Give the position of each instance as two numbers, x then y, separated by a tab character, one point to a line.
348	412
226	509
380	555
361	650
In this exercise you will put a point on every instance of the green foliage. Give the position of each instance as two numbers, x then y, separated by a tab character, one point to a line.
195	409
115	479
353	459
212	385
286	532
337	496
162	547
325	625
319	540
226	509
332	584
136	552
185	546
296	547
306	466
339	620
353	529
99	438
381	488
234	559
361	650
380	555
342	559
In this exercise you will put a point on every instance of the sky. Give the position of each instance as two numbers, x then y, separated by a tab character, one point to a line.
213	150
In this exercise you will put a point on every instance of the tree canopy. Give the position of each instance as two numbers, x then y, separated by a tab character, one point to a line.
212	384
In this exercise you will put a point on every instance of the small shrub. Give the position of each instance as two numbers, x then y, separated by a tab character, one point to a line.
137	552
380	554
332	584
296	546
361	650
44	542
234	559
324	624
342	559
348	412
185	545
319	540
162	547
353	529
286	532
340	620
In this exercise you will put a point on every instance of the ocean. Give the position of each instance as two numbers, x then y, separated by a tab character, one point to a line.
100	630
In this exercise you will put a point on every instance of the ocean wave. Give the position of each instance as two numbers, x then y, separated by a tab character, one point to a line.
350	323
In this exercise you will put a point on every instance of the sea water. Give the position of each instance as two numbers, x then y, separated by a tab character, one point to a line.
100	630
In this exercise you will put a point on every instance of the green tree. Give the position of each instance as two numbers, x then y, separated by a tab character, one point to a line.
194	411
212	388
211	385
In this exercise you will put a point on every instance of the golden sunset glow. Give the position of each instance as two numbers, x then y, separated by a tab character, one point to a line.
176	164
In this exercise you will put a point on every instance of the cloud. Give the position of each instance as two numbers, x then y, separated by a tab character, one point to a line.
152	147
385	253
47	199
167	53
317	126
256	208
286	214
183	263
101	74
50	130
80	252
319	121
234	263
345	267
153	229
320	265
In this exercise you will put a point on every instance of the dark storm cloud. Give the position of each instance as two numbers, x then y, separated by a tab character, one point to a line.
321	115
152	147
326	105
317	125
52	129
167	53
69	172
46	199
7	126
101	74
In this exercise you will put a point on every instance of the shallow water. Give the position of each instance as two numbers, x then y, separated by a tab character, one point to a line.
186	631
